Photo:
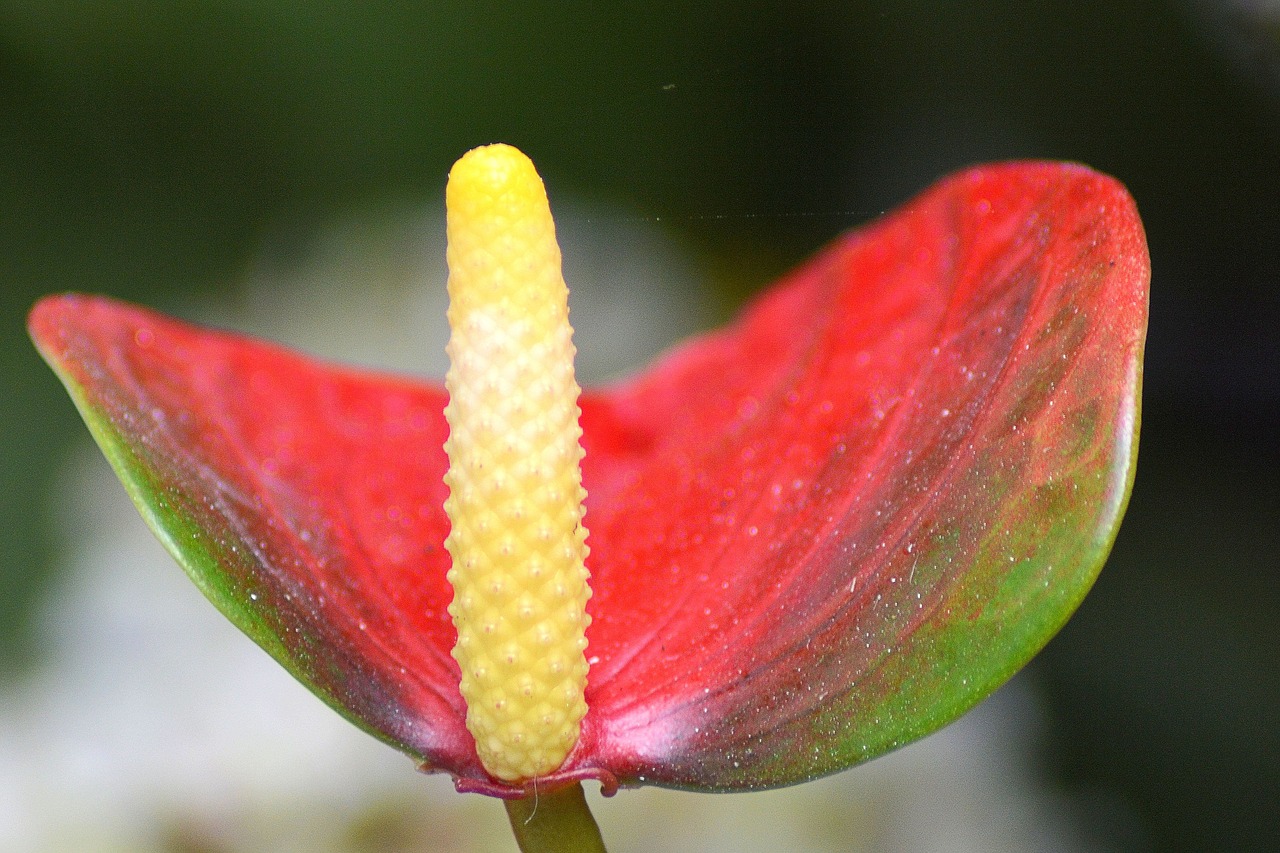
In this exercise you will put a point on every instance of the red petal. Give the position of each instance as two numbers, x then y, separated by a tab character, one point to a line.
305	500
824	531
859	510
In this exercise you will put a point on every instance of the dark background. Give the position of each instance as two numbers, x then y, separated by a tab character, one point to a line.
148	148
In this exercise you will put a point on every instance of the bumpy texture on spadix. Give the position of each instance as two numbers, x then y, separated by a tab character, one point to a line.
515	505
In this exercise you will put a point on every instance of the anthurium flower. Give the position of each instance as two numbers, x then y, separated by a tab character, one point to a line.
814	535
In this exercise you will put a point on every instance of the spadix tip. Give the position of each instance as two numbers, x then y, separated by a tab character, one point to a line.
495	170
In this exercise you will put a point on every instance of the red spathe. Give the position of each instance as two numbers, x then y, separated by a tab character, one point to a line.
816	534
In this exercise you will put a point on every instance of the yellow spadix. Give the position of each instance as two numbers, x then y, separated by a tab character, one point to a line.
515	505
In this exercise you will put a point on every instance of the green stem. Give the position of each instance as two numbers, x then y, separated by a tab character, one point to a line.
555	822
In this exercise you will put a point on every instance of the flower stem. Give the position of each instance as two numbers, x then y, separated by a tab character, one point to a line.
556	822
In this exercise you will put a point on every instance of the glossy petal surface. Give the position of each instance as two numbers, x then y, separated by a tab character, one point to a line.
815	535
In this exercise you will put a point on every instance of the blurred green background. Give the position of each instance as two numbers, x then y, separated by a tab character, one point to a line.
149	150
